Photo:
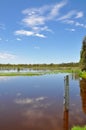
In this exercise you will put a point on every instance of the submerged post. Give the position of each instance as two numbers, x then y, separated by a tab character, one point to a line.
66	103
66	95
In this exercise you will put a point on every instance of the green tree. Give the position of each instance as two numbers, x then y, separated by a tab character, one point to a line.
83	55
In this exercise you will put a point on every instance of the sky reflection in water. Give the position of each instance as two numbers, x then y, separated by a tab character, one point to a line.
36	103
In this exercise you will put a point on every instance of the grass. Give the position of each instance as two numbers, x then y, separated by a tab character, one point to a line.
82	75
34	73
79	128
60	70
20	74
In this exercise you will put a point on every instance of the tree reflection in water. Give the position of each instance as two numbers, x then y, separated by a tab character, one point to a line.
83	94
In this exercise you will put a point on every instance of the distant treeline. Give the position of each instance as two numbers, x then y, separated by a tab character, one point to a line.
37	66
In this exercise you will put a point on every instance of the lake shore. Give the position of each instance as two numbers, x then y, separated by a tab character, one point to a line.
40	72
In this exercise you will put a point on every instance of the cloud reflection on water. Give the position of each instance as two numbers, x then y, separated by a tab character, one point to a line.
4	78
23	101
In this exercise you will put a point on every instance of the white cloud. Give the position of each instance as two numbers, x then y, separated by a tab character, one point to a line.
33	11
44	28
24	32
68	15
34	21
7	56
69	18
67	21
40	98
29	100
72	22
39	16
29	33
80	24
71	14
56	8
70	29
40	35
36	18
24	101
36	47
79	15
18	39
4	78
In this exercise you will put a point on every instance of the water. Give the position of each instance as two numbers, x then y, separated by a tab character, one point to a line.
36	102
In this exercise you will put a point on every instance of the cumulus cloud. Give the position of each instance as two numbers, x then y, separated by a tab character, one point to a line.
7	56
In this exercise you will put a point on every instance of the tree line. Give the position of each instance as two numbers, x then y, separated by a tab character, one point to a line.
37	66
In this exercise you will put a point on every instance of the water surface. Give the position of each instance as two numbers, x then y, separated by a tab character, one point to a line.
36	102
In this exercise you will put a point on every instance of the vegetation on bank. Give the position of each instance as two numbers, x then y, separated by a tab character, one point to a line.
38	71
83	55
20	74
79	128
51	66
22	69
18	70
82	75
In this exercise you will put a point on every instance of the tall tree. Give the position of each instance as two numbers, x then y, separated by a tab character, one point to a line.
83	55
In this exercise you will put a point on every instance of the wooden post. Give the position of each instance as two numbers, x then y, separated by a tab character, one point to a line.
66	103
66	95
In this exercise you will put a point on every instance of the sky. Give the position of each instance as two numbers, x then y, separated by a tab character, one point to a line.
41	31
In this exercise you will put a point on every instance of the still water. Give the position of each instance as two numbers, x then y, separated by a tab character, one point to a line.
36	102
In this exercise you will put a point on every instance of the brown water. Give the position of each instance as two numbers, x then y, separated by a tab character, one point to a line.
36	103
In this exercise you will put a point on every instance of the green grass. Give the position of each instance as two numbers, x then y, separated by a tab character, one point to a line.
33	73
79	128
82	75
60	70
20	74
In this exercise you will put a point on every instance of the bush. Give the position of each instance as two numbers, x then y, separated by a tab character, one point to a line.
79	128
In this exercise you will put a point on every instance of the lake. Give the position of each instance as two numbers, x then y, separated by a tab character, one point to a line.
37	102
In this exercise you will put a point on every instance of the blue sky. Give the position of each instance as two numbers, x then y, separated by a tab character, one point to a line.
41	31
